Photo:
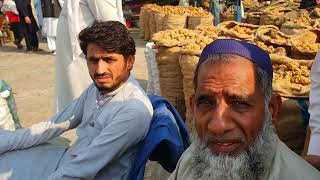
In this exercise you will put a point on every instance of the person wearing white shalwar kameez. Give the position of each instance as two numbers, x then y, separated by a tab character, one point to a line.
71	74
51	12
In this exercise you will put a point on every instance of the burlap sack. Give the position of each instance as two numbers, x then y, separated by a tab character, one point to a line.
306	45
188	62
237	30
142	23
271	49
177	37
273	15
296	22
273	35
283	86
194	21
280	3
159	18
291	125
172	21
253	18
315	13
170	76
293	29
152	23
147	34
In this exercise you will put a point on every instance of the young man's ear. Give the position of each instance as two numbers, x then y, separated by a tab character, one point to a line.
274	107
130	62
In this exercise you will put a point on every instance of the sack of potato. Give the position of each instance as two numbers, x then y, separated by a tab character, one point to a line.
306	45
273	15
296	22
272	35
199	18
291	77
170	76
271	49
253	18
292	123
188	62
176	37
159	18
142	23
237	30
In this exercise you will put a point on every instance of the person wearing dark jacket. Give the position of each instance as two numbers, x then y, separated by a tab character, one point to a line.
29	25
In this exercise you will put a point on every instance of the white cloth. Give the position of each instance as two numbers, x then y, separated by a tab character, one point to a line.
314	108
285	165
51	41
109	129
71	73
49	27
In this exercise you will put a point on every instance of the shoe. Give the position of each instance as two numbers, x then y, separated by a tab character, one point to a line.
37	49
18	44
53	52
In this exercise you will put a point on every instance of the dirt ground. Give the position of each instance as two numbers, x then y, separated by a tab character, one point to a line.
31	77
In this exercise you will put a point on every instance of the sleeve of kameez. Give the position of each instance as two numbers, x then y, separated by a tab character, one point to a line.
314	108
126	129
104	10
44	131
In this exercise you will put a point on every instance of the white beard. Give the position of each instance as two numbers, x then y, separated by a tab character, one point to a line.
249	165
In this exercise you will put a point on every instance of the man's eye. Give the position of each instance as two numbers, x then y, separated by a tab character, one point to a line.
93	61
204	102
241	104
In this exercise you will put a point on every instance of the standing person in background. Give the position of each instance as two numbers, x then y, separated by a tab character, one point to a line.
313	155
29	25
51	12
9	9
71	73
216	11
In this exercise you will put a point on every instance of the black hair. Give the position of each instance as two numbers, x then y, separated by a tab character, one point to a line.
112	36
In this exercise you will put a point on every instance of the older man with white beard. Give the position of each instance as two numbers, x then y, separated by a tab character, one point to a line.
233	111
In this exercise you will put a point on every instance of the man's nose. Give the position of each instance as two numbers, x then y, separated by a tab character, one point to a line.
101	67
220	120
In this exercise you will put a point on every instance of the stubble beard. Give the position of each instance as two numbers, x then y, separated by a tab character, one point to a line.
249	165
115	84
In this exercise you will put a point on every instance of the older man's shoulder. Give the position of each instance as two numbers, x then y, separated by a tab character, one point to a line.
290	166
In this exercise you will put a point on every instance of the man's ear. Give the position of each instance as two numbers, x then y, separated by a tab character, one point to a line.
130	62
274	107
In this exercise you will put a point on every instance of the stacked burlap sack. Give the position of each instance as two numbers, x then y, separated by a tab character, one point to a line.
168	44
155	18
188	60
238	30
292	81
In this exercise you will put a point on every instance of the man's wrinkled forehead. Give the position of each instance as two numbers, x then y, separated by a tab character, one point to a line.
249	51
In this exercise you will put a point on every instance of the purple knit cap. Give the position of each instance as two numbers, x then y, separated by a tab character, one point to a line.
241	48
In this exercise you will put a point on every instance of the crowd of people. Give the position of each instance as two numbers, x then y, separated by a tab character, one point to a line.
234	111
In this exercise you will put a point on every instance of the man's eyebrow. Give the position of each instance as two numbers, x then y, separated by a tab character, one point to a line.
242	97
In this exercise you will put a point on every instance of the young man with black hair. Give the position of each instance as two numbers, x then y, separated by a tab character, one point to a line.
111	117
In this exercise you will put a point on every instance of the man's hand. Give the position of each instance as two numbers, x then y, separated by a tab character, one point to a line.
313	160
27	19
